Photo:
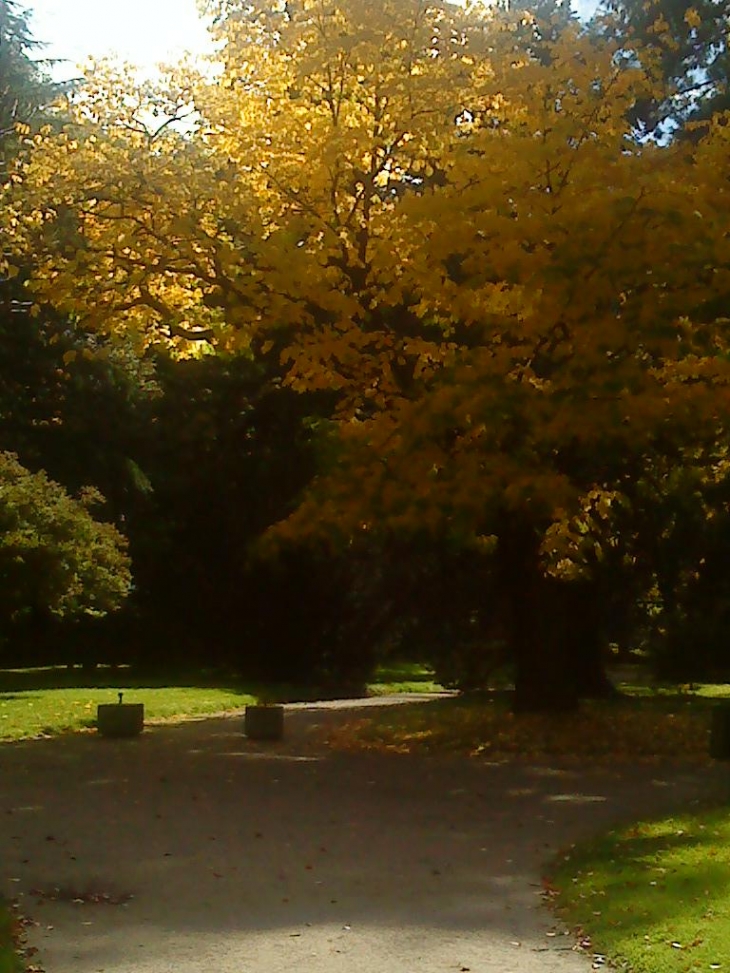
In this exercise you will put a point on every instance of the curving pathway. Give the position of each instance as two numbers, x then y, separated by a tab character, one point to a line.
192	849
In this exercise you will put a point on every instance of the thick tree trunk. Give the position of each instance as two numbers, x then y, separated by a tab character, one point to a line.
554	628
545	677
585	637
545	680
592	681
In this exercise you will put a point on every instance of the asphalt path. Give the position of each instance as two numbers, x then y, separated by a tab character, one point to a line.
191	848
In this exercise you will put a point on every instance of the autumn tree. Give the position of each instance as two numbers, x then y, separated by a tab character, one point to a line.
516	303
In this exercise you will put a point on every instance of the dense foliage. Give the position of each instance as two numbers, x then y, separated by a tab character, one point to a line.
53	554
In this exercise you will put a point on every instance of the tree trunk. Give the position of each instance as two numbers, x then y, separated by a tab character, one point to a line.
545	677
545	680
586	641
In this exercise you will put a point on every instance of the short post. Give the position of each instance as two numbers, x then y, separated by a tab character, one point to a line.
720	732
120	719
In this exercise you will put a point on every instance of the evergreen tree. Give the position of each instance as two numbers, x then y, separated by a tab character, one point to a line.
25	86
685	43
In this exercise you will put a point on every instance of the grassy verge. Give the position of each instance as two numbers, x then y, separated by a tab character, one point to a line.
47	701
403	677
654	897
44	712
664	725
9	959
43	702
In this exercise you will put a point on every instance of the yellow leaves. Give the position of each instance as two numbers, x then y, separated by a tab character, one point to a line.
580	534
692	18
661	28
485	295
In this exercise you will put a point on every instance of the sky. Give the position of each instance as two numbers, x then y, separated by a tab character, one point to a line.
143	31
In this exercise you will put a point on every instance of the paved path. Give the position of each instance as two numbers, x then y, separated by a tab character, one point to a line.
242	857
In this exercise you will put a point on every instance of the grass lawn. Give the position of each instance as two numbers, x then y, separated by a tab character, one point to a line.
9	959
39	702
654	897
48	711
403	677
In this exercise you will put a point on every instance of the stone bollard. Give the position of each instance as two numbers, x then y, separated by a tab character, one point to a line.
120	719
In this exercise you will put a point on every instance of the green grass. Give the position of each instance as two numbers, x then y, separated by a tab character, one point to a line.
59	699
9	959
51	700
49	711
654	897
403	677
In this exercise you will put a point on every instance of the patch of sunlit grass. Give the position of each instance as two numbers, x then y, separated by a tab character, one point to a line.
654	897
403	677
45	712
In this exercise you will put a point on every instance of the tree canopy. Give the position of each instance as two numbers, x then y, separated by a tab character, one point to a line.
440	215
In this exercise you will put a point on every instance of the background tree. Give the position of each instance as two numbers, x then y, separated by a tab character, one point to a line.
685	43
54	556
26	90
56	559
227	453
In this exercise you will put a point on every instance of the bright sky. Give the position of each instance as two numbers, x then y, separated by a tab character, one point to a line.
143	31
